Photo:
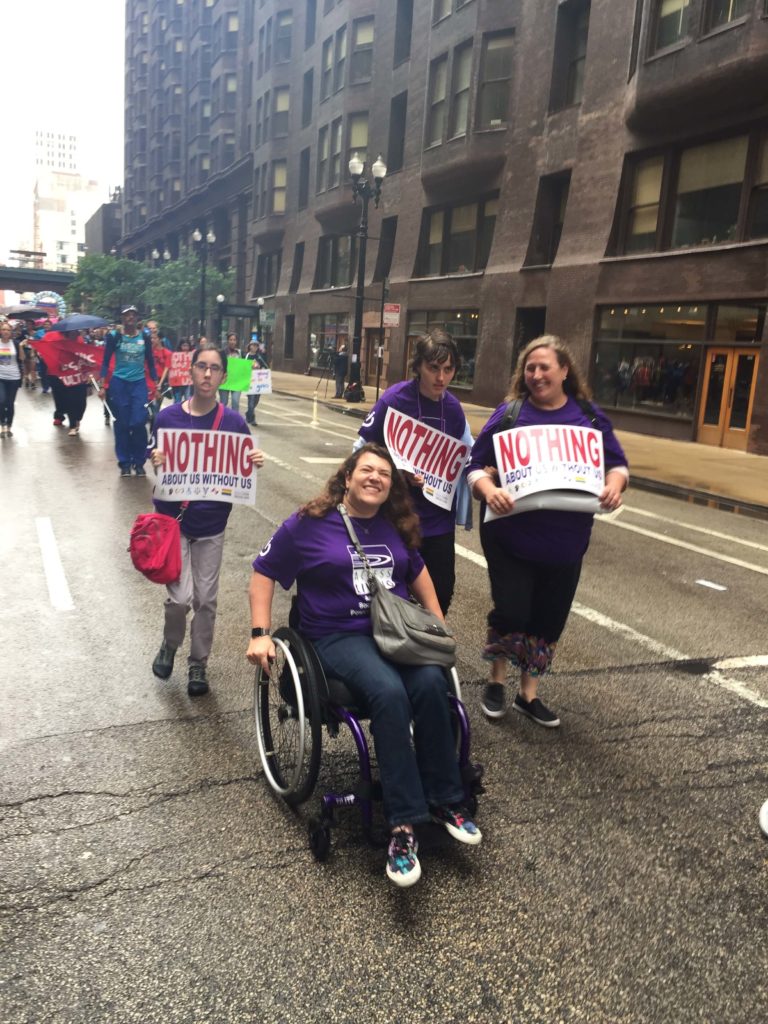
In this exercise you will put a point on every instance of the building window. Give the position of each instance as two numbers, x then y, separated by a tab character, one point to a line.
327	332
326	69
304	158
268	273
281	98
306	97
398	110
361	57
670	23
643	212
357	137
722	12
403	31
279	184
288	335
570	54
323	152
462	76
462	325
709	189
495	80
335	261
283	29
438	87
298	266
758	205
340	58
548	219
440	9
310	23
386	248
334	165
456	239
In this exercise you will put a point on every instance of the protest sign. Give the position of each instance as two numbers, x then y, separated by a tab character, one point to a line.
180	374
437	457
73	362
261	380
205	465
238	376
556	467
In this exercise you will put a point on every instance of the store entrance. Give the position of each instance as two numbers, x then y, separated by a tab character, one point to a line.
727	396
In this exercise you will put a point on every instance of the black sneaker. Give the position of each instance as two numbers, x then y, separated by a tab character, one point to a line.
494	702
125	471
162	666
139	471
536	711
197	686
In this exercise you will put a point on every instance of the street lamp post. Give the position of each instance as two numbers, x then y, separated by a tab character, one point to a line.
362	187
220	300
259	305
203	244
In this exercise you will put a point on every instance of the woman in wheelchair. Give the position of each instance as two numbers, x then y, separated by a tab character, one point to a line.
420	780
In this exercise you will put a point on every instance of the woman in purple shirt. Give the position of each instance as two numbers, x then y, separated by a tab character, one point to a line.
426	398
534	558
420	780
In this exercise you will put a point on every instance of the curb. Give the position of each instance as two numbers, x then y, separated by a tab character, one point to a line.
689	494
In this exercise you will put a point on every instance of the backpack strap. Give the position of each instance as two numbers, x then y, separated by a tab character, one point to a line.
512	412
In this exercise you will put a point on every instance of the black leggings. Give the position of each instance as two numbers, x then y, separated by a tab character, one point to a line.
70	401
8	389
532	598
439	556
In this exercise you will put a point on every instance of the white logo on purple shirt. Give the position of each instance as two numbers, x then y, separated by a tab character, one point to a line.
382	564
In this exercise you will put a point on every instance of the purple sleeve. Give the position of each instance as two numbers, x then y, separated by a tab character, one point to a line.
373	425
279	559
415	565
482	454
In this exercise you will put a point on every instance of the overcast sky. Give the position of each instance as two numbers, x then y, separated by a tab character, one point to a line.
63	64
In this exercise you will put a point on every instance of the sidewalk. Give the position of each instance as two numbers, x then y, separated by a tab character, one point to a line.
732	481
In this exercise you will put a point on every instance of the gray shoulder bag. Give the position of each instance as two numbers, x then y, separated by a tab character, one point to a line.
404	632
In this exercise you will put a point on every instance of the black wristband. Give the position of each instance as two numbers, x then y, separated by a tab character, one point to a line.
258	631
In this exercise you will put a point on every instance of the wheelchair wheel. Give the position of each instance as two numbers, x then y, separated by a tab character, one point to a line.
288	724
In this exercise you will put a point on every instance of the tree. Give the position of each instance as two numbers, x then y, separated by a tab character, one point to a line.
104	285
173	293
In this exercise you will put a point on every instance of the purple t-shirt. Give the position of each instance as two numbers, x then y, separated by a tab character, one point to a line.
332	587
545	535
201	518
446	414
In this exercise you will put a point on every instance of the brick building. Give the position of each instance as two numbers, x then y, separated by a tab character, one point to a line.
597	170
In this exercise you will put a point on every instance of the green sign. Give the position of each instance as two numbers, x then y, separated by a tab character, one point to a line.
238	375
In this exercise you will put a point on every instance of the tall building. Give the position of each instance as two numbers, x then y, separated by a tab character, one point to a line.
595	170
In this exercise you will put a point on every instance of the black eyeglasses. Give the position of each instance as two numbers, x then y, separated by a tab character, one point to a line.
203	367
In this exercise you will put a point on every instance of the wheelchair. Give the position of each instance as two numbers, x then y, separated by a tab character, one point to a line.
295	702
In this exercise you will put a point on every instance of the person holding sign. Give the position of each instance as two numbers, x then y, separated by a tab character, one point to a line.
420	776
534	557
202	523
258	359
412	419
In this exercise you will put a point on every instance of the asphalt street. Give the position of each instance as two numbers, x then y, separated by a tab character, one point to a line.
148	875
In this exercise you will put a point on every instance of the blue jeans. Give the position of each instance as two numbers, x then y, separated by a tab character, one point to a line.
230	398
127	400
253	401
182	393
413	775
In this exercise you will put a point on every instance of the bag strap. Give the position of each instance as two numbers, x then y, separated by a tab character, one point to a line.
511	413
371	579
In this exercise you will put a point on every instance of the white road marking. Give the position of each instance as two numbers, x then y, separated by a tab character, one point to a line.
321	462
658	648
290	420
58	589
711	585
690	547
688	526
746	661
291	468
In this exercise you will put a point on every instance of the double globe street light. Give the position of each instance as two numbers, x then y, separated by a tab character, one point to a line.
362	187
202	244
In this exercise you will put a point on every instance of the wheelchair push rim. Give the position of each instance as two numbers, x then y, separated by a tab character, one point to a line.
288	727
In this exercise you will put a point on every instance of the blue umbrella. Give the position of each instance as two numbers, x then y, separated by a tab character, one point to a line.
80	322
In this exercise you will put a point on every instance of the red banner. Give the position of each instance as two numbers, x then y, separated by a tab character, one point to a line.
73	361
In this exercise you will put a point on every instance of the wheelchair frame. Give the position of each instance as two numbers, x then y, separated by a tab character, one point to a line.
292	704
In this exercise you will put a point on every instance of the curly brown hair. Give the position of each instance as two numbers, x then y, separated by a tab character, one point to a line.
397	509
574	384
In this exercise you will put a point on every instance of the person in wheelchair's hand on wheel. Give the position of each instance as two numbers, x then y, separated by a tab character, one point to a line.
420	780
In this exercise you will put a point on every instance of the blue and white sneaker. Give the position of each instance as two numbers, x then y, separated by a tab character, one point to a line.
403	866
461	828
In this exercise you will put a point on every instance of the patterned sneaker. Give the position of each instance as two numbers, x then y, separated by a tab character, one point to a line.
536	711
162	666
494	702
403	866
461	828
197	685
764	818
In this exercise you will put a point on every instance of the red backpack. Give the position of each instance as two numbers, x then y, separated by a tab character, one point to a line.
155	547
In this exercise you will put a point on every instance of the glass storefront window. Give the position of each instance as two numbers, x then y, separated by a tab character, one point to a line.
326	332
670	322
462	325
653	378
742	324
